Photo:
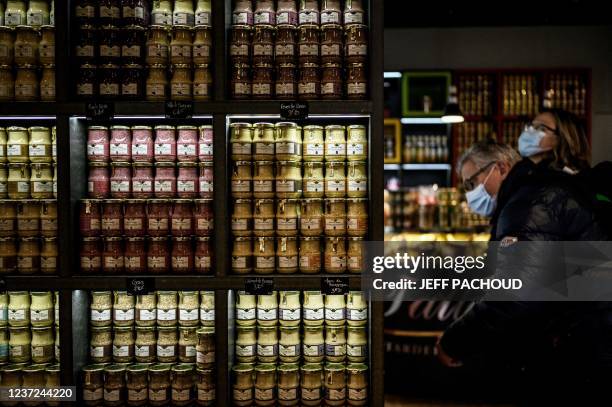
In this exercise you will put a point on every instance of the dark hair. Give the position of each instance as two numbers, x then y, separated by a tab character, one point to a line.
573	148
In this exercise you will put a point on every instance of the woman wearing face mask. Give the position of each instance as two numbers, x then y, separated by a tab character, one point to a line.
524	205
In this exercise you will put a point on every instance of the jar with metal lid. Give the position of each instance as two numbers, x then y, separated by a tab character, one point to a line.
19	309
186	143
356	82
241	81
8	218
109	47
98	184
135	255
309	12
87	84
182	218
183	13
181	45
309	85
167	305
114	385
263	142
287	213
41	309
19	344
165	144
242	180
159	384
100	307
8	255
357	143
308	44
311	383
335	384
353	12
3	309
242	390
262	82
123	344
313	144
287	255
121	180
101	345
332	45
335	343
135	12
28	255
240	44
109	12
136	384
202	83
203	256
28	218
189	308
7	83
311	217
335	179
93	383
263	45
187	343
165	180
289	344
356	344
314	180
267	344
17	145
48	218
246	309
132	81
187	180
142	144
146	310
242	255
162	12
157	45
265	383
3	141
313	344
167	344
288	179
288	382
203	13
241	140
356	47
314	309
267	309
285	45
47	83
91	255
335	143
355	254
201	51
357	179
156	87
310	255
264	13
112	218
203	217
205	387
12	377
52	381
109	83
286	12
207	308
290	308
357	384
26	84
182	384
288	142
181	84
120	144
331	81
242	12
48	255
331	13
132	44
246	343
26	45
205	349
158	217
263	217
335	255
39	149
112	255
145	345
6	46
285	87
123	309
263	253
205	143
98	144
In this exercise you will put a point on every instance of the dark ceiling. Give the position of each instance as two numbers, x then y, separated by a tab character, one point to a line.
442	13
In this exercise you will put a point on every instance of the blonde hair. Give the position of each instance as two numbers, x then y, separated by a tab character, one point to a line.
573	148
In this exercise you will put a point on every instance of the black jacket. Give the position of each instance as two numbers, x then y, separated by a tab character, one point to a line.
534	204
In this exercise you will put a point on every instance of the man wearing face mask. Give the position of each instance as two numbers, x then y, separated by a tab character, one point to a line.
527	201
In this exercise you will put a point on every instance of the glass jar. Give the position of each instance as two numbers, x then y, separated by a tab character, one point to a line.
205	143
98	144
109	47
28	256
165	180
246	343
242	13
112	255
167	344
136	384
135	12
145	345
146	310
246	309
132	81
101	307
285	46
240	43
26	84
181	84
263	218
335	343
187	180
121	180
109	12
357	143
47	83
313	144
314	309
182	383
158	255
311	217
120	144
355	255
26	45
181	45
165	144
203	13
4	309
48	218
98	183
265	383
19	309
335	255
242	255
108	84
203	217
331	52
311	384
357	384
166	308
101	345
156	87
132	44
309	12
331	81
262	83
19	344
263	141
202	83
52	381
335	217
335	180
93	384
263	180
289	349
6	46
356	82
39	149
263	46
263	255
288	179
242	390
123	344
313	344
242	180
7	84
162	12
335	384
205	386
357	179
112	218
8	255
135	255
287	255
288	142
15	13
158	217
335	310
123	309
241	81
86	86
28	218
142	181
157	46
17	145
288	382
186	143
285	82
241	140
287	217
353	12
18	181
203	256
182	218
267	344
356	344
335	143
205	350
8	218
310	255
308	44
189	308
309	85
41	309
207	308
187	344
286	12
356	46
267	309
183	13
159	384
331	12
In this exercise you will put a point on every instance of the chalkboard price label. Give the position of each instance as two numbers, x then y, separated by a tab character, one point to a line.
259	286
179	110
335	285
294	110
99	110
140	286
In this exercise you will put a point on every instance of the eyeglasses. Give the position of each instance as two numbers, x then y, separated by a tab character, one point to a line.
470	183
540	127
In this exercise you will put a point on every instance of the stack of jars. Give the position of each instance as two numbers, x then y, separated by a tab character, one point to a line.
145	215
116	42
27	51
164	327
316	50
287	212
29	328
28	218
319	340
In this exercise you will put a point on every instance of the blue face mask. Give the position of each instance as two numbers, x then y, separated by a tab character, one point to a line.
480	201
529	142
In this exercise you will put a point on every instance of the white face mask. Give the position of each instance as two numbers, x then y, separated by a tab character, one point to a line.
480	201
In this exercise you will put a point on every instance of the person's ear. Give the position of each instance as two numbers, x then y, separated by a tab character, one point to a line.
504	168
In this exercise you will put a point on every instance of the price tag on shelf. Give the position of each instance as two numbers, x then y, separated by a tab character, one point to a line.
140	286
179	110
99	110
259	286
294	110
335	285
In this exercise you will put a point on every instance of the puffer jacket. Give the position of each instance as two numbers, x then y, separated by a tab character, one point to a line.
537	204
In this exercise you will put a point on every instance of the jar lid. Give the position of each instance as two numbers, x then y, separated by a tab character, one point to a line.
309	26
332	65
24	28
312	201
120	127
264	27
187	165
286	238
290	163
6	28
202	201
245	163
265	368
138	368
42	328
206	164
285	27
290	328
113	201
13	368
313	127
334	127
287	65
288	367
141	164
204	371
241	125
166	292
53	368
356	127
158	239
135	201
113	239
123	328
160	367
121	164
263	124
135	239
311	367
101	292
356	367
145	328
356	65
159	201
243	368
157	66
310	238
352	27
34	368
88	66
110	66
262	200
241	27
29	239
134	28
335	200
203	27
242	239
7	239
181	66
109	27
178	27
158	27
181	239
335	238
183	367
286	124
202	66
167	328
206	127
187	127
50	239
331	27
39	128
357	200
164	164
334	367
91	239
207	330
115	368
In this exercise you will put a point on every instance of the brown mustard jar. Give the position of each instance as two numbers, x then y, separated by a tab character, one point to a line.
331	81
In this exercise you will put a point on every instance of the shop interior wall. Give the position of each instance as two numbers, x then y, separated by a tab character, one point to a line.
515	47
